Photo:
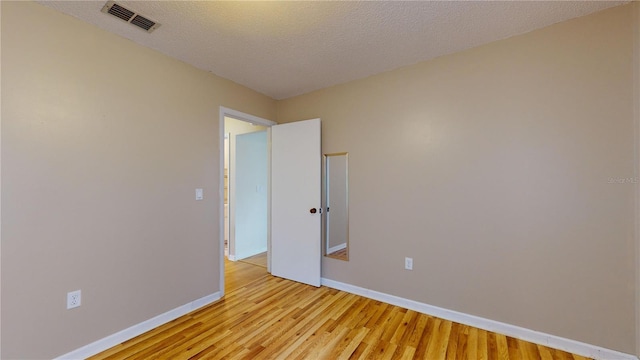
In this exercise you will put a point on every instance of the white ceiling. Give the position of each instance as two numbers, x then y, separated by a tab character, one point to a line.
283	49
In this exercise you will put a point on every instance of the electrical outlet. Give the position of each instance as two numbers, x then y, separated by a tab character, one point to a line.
74	299
408	263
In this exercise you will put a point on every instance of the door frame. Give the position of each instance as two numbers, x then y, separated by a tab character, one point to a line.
238	115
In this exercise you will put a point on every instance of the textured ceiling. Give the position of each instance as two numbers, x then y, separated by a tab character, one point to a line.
283	49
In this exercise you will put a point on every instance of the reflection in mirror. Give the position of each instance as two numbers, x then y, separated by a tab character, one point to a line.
336	192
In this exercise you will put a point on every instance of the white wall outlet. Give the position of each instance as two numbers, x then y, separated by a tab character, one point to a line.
199	194
74	299
408	263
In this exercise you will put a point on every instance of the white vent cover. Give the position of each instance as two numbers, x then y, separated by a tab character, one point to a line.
130	16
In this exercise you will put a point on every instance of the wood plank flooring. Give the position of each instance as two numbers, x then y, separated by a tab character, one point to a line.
264	317
238	275
259	259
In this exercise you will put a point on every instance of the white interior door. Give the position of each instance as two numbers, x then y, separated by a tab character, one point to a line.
295	191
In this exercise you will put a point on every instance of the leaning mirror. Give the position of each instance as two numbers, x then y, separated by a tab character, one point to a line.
336	202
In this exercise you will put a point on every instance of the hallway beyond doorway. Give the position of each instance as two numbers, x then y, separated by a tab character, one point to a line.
259	260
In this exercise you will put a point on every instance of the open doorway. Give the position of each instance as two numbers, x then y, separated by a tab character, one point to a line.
245	189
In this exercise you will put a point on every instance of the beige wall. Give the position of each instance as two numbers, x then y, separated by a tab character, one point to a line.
490	167
103	144
497	170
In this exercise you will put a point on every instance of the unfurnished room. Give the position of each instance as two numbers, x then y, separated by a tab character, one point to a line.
320	180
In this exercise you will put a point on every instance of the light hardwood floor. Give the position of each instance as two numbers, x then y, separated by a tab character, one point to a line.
260	259
264	317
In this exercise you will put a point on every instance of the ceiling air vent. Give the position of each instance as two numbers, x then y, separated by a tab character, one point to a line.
129	16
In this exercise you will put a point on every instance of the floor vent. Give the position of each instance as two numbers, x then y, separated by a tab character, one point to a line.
129	16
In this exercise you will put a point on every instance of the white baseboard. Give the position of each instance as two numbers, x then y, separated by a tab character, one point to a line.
331	250
135	330
231	257
517	332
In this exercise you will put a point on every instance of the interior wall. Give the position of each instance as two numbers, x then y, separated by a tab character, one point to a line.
505	171
251	205
103	143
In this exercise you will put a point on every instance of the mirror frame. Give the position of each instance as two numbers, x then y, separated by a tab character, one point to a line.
325	188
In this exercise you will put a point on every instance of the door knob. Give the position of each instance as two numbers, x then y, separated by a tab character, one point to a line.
313	210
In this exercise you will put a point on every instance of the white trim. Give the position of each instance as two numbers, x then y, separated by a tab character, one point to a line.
221	199
331	250
533	336
231	257
140	328
269	200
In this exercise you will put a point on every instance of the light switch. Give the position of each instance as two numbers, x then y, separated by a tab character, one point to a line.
199	194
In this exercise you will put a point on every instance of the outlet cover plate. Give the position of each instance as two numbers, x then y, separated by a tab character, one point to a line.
408	263
74	299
